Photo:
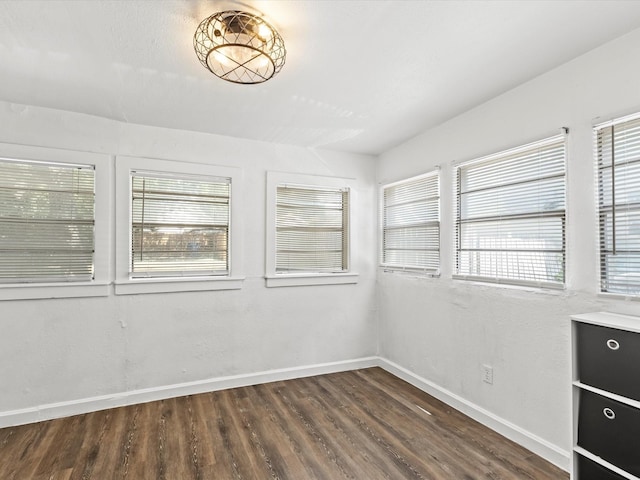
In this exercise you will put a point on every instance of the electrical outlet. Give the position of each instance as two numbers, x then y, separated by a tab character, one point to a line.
487	374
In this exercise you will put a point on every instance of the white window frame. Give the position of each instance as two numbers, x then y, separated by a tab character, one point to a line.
617	207
286	279
457	221
382	227
99	285
128	284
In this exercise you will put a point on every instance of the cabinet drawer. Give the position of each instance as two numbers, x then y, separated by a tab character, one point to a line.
610	430
609	359
589	470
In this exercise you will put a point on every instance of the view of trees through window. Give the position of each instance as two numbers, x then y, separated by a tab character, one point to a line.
179	226
46	222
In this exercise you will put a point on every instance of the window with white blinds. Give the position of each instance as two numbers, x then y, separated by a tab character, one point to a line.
46	222
618	162
411	224
312	229
510	222
179	225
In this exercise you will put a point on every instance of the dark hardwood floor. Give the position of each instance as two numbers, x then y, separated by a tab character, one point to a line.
364	424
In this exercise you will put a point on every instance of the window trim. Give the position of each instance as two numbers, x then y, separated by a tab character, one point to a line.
125	284
495	281
286	279
100	285
426	272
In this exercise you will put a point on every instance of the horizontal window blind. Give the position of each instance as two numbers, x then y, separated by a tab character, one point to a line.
411	224
46	222
618	162
312	229
510	221
179	225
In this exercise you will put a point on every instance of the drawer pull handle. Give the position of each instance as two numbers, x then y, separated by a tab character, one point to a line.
610	414
613	344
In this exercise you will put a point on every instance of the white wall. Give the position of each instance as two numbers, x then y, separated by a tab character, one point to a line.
444	330
62	350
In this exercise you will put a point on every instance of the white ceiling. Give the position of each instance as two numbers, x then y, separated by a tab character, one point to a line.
360	76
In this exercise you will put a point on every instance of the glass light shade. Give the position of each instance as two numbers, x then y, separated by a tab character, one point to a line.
239	47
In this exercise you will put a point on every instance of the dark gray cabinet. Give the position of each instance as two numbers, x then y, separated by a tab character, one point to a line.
590	470
606	396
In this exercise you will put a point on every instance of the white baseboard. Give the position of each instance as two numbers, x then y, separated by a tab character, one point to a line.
85	405
539	446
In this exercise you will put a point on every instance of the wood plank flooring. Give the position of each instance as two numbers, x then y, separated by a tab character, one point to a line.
365	424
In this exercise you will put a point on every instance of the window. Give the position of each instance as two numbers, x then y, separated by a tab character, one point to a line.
54	223
46	222
308	230
411	224
618	165
510	221
178	226
312	226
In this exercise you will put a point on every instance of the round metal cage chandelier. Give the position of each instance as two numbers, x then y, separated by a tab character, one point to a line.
239	47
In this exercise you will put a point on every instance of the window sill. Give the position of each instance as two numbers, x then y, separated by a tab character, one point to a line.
168	285
414	272
619	296
302	279
34	291
500	283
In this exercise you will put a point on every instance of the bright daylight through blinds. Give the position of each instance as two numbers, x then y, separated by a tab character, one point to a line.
618	157
510	225
180	225
311	229
46	222
411	224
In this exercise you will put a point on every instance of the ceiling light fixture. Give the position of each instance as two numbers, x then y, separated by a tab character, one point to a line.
239	47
